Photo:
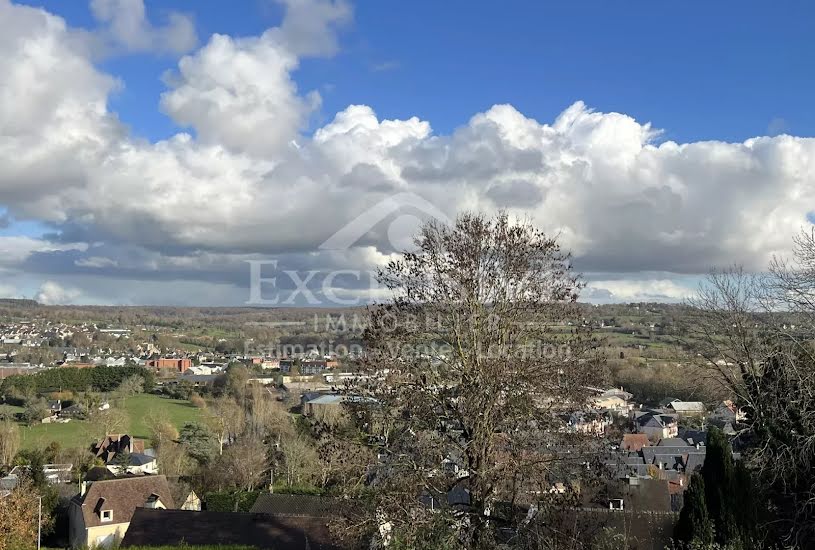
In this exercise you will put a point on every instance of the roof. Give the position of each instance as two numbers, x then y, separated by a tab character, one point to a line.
685	456
671	442
296	505
640	530
327	400
690	406
172	527
115	443
98	473
140	459
123	496
647	495
9	482
634	442
654	419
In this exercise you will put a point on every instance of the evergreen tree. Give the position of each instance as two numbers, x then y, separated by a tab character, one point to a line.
694	526
719	475
747	508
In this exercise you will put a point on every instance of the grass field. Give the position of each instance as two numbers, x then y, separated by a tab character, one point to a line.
77	433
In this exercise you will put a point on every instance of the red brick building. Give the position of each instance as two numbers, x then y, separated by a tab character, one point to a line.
179	365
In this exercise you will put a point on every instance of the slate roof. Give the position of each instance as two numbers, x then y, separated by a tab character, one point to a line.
173	527
685	457
140	459
687	406
671	442
326	400
654	419
123	496
296	505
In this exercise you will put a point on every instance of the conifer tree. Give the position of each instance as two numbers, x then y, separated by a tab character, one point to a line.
719	475
694	526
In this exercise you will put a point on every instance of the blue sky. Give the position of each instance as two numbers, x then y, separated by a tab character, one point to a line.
701	70
625	128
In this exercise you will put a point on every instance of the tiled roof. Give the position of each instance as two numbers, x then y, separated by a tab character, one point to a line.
634	442
123	496
173	527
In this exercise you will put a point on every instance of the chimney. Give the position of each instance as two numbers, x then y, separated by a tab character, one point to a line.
83	488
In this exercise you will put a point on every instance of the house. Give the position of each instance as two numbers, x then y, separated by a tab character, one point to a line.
55	406
156	527
686	408
100	515
615	400
76	411
322	403
116	443
308	368
191	502
270	364
58	473
590	423
656	425
139	464
198	370
675	454
727	416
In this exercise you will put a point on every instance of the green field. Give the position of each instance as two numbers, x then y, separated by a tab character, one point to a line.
76	433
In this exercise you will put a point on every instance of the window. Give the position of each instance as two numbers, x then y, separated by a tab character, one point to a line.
107	515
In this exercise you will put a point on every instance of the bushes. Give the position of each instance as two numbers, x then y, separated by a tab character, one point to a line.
197	401
61	379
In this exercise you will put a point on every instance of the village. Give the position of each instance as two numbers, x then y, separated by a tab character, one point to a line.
144	482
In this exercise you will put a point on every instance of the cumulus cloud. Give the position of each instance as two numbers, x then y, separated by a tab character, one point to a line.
249	181
126	27
51	293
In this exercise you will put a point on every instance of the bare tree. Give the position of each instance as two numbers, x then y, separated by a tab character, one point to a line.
109	421
472	362
173	460
755	332
9	441
161	428
267	417
246	463
225	419
130	386
299	460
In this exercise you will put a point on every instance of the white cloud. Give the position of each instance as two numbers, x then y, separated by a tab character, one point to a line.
309	26
240	188
96	262
127	27
632	290
8	291
51	293
16	249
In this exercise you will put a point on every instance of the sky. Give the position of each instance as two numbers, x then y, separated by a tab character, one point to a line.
169	152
